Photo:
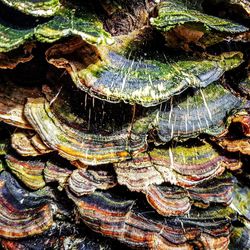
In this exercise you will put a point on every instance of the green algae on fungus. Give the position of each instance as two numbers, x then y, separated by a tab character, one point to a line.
73	144
3	146
207	111
40	8
69	23
29	172
176	12
108	75
65	23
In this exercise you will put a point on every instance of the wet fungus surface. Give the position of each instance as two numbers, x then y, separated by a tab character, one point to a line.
124	124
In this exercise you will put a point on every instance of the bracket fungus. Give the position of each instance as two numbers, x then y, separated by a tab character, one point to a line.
35	8
240	145
205	112
182	166
29	172
53	173
124	124
22	213
109	75
86	181
73	144
12	100
186	23
28	144
236	142
176	12
172	200
65	23
120	218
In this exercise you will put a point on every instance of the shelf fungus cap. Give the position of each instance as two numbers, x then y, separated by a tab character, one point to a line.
28	144
73	144
235	145
182	166
207	111
64	23
218	190
175	201
135	226
177	12
22	213
55	173
12	100
40	8
29	172
73	23
86	181
168	200
109	75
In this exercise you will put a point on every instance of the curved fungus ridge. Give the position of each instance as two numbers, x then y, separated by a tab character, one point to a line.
64	24
40	8
54	173
182	166
12	100
119	218
91	149
29	172
240	145
176	12
207	111
22	213
172	200
86	181
28	144
110	76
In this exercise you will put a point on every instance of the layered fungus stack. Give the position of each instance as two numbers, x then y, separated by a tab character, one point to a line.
125	124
